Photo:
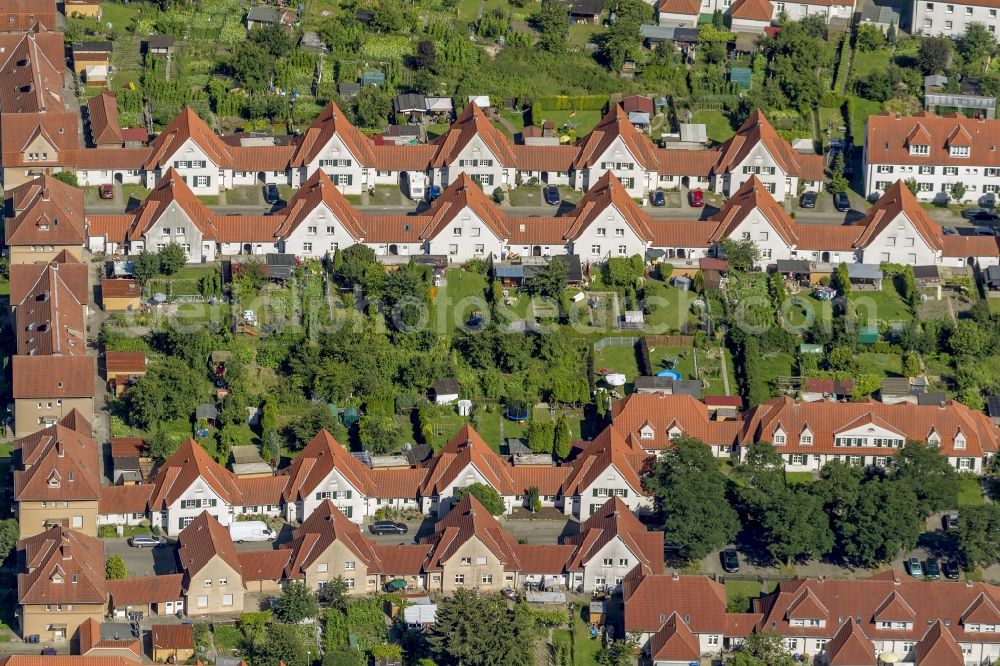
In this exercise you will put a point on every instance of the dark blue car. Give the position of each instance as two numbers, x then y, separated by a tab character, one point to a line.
551	194
433	192
657	199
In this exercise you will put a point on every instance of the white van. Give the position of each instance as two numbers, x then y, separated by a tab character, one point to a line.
251	530
413	182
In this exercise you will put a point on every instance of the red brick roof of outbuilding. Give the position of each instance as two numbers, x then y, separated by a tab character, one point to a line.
146	590
173	636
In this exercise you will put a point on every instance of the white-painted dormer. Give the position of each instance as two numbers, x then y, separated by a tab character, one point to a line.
647	432
779	438
960	439
674	432
933	438
806	437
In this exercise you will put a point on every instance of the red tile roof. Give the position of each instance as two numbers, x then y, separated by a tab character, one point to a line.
261	489
31	72
472	122
54	376
686	7
938	647
664	412
614	125
187	125
202	540
316	191
753	196
53	558
543	559
27	13
186	466
264	564
120	288
850	647
614	520
89	639
58	129
57	464
102	114
46	212
50	317
650	599
898	200
470	520
464	449
608	192
325	526
889	139
675	642
403	560
463	193
124	499
146	589
638	104
25	279
313	465
173	636
674	162
757	130
332	122
609	449
397	483
824	420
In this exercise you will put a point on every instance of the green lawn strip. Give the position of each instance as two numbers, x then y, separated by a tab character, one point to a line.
885	306
716	124
455	301
776	364
888	365
582	120
585	646
227	637
970	492
740	590
799	478
672	307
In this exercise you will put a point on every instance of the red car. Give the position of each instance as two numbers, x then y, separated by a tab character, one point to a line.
697	198
106	192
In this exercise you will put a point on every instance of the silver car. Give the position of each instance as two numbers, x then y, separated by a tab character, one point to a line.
144	541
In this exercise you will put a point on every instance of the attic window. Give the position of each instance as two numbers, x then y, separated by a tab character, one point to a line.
23	62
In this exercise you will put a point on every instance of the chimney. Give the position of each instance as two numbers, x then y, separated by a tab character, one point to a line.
896	580
675	576
45	194
64	550
60	452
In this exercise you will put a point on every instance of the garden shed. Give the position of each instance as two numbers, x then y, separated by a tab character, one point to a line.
740	77
865	276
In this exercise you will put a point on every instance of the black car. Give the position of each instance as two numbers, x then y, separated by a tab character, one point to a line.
271	194
949	521
808	200
657	199
985	216
972	213
841	202
950	569
551	194
49	652
730	560
931	568
388	527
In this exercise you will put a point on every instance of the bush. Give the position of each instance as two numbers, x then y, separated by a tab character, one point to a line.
107	532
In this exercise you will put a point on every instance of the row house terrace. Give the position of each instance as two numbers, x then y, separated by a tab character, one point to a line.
45	218
882	619
472	146
740	17
935	151
190	482
807	435
467	549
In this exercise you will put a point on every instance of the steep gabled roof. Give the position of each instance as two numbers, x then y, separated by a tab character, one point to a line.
47	211
898	200
332	122
171	188
470	123
752	10
674	642
31	74
63	566
470	520
758	130
981	611
203	539
650	598
614	125
609	449
609	192
313	465
57	463
50	316
850	647
894	609
807	607
461	194
102	116
938	647
320	190
753	196
185	467
615	520
464	449
324	526
187	125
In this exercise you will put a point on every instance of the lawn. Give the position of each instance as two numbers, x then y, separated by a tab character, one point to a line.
881	306
738	591
526	195
799	478
887	365
970	492
455	301
618	359
673	307
118	14
776	364
493	426
227	637
585	646
716	124
581	33
861	109
994	304
583	121
4	287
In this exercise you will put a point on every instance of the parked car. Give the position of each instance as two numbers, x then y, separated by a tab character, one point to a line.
433	192
808	200
915	568
973	213
658	199
271	194
49	652
388	527
985	216
841	202
730	560
552	196
949	521
985	231
931	568
949	231
106	191
697	198
951	569
144	541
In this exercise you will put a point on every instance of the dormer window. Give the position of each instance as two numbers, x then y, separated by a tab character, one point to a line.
779	438
806	438
674	433
646	433
958	151
959	441
920	149
934	439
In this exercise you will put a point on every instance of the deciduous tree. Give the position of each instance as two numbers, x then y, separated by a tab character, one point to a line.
296	603
487	496
115	569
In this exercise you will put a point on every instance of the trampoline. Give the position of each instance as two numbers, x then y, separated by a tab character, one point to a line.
673	374
517	411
